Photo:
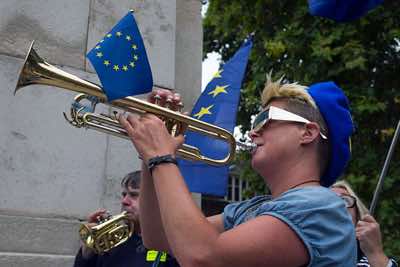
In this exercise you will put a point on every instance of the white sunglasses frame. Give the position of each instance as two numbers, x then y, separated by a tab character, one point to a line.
276	113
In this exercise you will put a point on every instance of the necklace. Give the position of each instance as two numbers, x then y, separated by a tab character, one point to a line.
305	182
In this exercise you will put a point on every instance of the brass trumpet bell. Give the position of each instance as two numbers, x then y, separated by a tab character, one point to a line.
37	71
107	234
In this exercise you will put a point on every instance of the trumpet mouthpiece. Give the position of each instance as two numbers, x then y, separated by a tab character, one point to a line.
247	146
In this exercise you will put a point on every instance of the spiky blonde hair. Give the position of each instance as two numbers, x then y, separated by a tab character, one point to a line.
277	89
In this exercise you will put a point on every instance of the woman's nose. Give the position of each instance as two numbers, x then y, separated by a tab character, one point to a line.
253	134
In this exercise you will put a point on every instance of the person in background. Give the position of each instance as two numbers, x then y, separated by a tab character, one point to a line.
132	252
368	232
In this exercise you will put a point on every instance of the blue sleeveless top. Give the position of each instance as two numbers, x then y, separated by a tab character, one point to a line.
316	214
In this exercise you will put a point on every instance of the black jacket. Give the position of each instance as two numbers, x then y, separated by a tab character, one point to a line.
132	253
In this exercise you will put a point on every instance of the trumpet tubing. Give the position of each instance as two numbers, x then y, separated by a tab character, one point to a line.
36	71
106	235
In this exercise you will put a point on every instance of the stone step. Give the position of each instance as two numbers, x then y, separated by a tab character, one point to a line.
9	259
23	234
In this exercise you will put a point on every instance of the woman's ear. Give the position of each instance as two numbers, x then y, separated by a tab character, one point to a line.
310	132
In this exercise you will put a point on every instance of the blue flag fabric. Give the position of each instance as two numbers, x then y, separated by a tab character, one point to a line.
120	61
217	105
341	10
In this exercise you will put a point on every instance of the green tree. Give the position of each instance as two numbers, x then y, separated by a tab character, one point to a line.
362	56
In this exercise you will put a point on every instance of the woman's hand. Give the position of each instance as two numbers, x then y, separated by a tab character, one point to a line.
150	137
369	235
166	98
148	132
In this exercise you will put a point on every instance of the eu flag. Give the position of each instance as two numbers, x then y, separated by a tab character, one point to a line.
120	61
341	10
217	105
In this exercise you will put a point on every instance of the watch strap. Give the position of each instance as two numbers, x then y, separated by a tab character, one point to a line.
153	162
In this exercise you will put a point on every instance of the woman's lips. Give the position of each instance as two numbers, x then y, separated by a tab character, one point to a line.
255	149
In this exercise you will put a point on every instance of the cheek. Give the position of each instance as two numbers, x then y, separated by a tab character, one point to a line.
254	161
261	157
135	203
274	146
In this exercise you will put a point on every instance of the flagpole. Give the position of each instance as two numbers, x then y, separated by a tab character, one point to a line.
379	186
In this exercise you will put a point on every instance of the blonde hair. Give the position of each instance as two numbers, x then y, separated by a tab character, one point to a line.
277	89
361	208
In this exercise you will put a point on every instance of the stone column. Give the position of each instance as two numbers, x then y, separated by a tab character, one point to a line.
51	174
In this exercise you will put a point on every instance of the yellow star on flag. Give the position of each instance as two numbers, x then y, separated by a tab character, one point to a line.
128	38
106	62
135	57
125	68
132	64
203	111
97	47
109	35
99	54
218	89
218	74
118	34
134	46
116	67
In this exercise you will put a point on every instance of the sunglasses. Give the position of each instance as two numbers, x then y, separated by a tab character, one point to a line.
274	113
349	200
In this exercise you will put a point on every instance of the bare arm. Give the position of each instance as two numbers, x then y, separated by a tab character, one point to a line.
197	242
193	239
217	222
150	219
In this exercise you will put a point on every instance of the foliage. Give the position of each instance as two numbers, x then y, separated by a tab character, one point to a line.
362	56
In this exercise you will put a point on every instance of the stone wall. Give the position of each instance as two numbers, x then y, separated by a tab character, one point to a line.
51	174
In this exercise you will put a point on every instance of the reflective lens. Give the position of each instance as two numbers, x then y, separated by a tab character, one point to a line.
275	113
260	120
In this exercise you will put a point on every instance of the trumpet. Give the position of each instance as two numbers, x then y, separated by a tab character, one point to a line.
246	146
110	232
37	71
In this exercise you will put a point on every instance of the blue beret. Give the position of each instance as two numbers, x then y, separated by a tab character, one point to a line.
341	10
334	107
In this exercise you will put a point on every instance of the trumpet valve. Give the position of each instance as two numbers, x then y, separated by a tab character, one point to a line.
170	123
169	102
180	107
157	99
114	115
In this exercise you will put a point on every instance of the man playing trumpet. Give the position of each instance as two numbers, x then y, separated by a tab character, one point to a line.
302	137
132	252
